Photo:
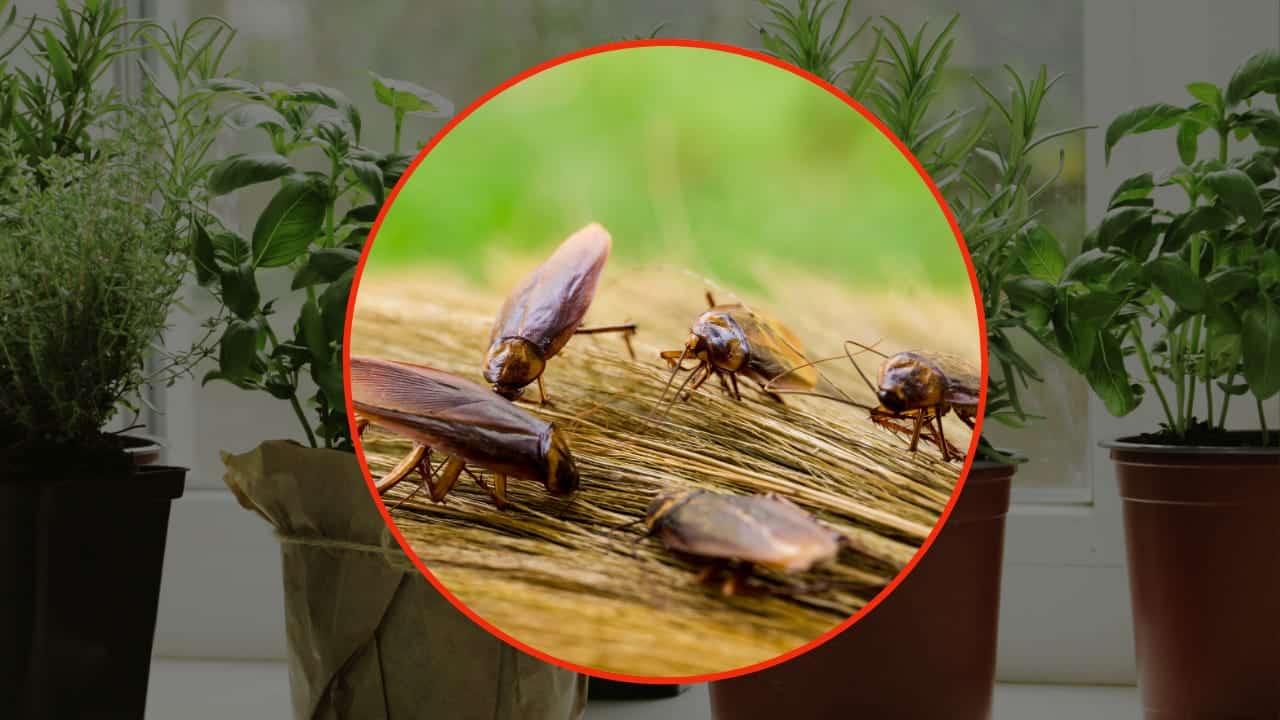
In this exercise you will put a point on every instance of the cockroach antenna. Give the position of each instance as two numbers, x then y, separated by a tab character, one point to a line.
670	379
628	524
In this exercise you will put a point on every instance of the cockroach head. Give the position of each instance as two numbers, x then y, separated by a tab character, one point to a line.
562	473
512	363
909	381
662	505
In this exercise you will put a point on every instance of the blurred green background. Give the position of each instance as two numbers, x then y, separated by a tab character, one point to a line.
688	156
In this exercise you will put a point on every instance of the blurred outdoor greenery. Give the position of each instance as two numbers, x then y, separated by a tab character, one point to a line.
688	156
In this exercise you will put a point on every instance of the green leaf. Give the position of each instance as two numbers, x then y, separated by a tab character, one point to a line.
237	350
202	255
409	98
1040	255
241	170
1258	73
58	63
1207	93
1205	218
1260	344
1119	221
288	224
1140	120
236	86
1189	141
1225	283
1091	266
1033	297
231	249
1237	191
1175	279
240	290
314	94
333	305
362	213
1134	188
252	115
325	265
1108	377
369	175
311	329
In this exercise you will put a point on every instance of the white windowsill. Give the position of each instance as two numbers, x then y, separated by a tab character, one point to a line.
207	690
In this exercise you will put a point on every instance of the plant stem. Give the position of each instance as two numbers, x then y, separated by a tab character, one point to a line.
1136	330
1226	401
1192	379
1204	370
399	123
1223	137
1262	418
293	396
1178	370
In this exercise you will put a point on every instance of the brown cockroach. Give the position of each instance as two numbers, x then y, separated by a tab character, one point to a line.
463	421
545	310
919	387
738	532
729	340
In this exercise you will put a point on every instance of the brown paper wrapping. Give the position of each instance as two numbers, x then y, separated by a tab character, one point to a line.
368	636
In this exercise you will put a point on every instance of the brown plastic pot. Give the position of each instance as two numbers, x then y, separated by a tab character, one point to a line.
1203	543
928	650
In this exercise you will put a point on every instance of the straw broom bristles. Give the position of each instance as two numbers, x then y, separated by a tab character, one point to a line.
554	574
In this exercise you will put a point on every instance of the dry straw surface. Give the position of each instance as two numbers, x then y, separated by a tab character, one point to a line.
554	574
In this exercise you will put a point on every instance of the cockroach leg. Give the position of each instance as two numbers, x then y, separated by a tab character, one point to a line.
498	495
733	380
708	574
915	432
361	425
737	584
427	471
448	477
500	491
627	330
402	469
711	301
542	393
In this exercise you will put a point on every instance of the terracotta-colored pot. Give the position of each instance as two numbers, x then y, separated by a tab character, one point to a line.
1203	544
927	651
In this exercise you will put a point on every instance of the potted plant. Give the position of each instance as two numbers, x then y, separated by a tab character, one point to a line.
929	649
1178	292
95	203
395	651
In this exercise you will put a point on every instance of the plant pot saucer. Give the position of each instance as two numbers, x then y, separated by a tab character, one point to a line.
1131	443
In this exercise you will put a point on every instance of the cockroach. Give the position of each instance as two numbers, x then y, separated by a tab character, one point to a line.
464	422
731	340
545	310
919	387
738	532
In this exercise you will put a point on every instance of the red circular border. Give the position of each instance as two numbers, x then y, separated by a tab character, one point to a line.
364	465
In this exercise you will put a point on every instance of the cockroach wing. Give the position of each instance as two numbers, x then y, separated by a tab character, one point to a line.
549	304
383	388
765	530
964	383
776	356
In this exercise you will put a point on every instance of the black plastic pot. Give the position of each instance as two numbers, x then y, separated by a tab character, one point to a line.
928	651
602	689
1203	545
80	563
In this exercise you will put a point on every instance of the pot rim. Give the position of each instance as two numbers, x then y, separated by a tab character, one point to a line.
1128	443
1016	456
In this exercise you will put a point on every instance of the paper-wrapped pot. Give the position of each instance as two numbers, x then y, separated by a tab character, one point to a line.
368	636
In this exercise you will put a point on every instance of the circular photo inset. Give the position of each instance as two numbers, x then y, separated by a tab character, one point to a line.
665	362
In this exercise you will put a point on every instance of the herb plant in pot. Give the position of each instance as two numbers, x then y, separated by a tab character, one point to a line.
394	652
929	649
1178	293
94	225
